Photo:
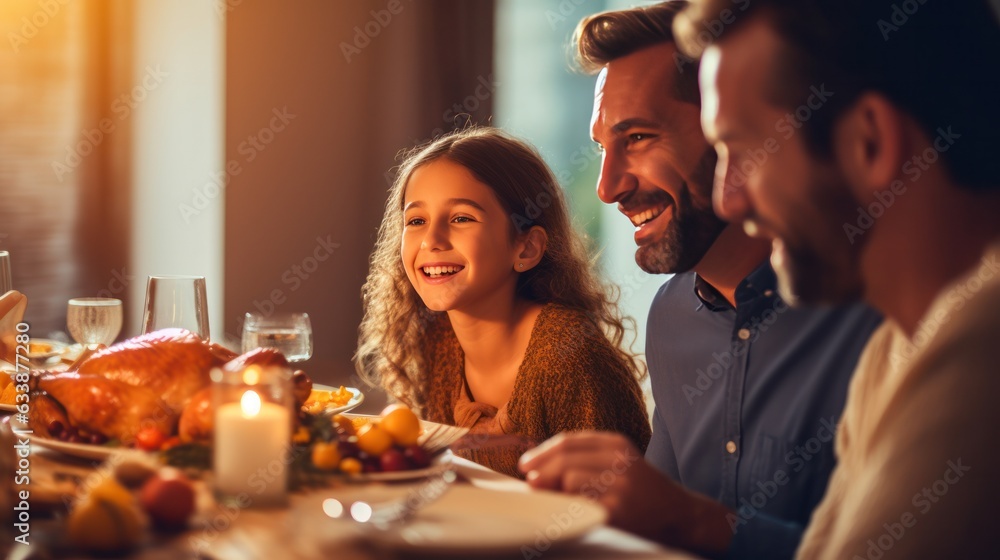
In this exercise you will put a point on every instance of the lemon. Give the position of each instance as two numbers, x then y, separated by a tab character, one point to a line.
100	525
373	440
401	423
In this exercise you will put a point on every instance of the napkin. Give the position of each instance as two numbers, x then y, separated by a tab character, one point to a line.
12	306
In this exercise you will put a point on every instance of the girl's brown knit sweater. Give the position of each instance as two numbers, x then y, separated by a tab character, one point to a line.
570	380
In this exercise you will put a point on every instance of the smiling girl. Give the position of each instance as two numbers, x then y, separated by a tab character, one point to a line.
481	308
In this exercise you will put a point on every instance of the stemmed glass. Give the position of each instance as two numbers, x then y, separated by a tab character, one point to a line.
94	321
288	333
176	302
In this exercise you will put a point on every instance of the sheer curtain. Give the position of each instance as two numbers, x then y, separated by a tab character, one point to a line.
63	151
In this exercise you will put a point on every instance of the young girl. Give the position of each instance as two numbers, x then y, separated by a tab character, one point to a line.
481	308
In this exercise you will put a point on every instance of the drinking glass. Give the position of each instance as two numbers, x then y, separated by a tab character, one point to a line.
5	283
93	321
288	333
176	302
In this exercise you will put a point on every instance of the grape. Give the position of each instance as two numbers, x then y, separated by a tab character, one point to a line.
393	460
417	456
97	439
56	428
76	438
349	447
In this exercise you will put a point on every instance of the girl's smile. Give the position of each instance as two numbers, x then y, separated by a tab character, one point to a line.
457	247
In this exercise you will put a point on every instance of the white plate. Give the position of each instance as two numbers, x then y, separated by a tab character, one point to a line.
81	450
469	521
355	401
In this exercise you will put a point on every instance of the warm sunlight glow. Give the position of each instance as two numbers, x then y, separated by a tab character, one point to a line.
251	375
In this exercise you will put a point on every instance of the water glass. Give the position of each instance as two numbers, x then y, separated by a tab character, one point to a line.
5	283
176	302
288	333
94	321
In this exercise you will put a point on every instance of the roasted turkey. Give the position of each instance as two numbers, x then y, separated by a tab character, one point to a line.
158	379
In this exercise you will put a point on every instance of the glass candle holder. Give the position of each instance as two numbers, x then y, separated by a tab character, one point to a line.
252	435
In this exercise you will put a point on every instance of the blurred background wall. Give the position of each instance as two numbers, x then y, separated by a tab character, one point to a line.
253	141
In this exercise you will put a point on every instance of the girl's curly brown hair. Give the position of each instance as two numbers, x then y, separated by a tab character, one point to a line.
396	319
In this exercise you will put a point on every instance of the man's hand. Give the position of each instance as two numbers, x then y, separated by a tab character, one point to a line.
607	468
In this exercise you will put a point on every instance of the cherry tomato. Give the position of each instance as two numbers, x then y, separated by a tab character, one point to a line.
150	439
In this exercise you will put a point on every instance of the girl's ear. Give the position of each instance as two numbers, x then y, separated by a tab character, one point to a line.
531	248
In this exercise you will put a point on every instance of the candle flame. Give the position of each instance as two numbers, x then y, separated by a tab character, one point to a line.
250	403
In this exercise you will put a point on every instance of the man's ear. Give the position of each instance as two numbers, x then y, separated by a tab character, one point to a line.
531	247
870	141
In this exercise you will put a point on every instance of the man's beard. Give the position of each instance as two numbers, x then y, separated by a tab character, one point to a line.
690	233
826	269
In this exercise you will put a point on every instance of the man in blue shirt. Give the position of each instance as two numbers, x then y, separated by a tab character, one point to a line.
748	391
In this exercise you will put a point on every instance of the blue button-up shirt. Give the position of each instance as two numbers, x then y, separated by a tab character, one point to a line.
747	401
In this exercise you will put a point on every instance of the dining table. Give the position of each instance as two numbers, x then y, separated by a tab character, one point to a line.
304	529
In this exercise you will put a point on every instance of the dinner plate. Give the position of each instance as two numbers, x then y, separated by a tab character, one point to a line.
468	521
79	450
44	351
355	401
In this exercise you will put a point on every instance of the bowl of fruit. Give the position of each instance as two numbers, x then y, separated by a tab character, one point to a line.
395	445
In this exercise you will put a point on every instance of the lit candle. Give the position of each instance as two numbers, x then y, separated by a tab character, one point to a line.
251	440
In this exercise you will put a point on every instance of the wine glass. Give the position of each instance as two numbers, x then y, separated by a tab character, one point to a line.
288	333
94	321
176	302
